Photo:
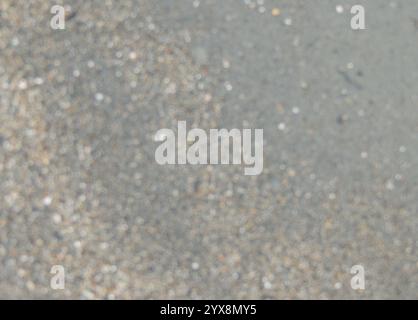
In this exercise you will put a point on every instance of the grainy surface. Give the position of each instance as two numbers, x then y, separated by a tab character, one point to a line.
80	187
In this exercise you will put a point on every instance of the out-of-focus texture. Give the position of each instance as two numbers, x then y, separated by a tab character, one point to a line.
80	187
